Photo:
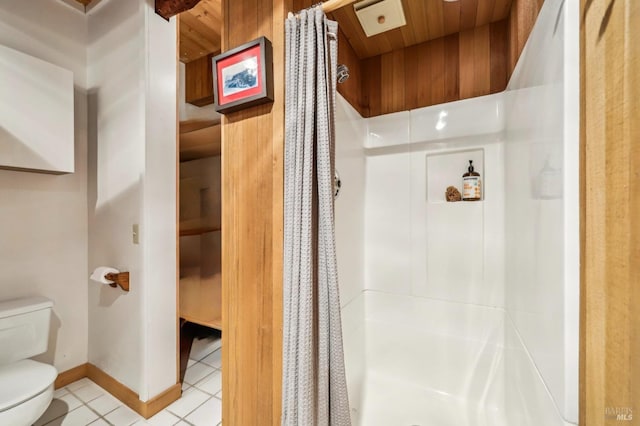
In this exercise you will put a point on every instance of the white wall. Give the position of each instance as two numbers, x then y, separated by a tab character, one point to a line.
125	72
43	219
415	242
160	211
116	163
349	216
541	158
132	74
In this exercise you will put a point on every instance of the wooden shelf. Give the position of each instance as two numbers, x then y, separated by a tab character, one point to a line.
198	226
200	300
201	280
199	139
198	231
215	323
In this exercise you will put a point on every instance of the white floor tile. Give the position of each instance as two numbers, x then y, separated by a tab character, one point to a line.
214	359
197	372
78	384
59	407
123	416
203	347
163	418
189	401
81	416
60	392
89	392
100	422
219	395
190	362
185	386
104	404
208	414
182	423
211	384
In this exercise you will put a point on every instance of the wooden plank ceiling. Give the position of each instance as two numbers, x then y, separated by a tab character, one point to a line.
201	27
200	30
426	20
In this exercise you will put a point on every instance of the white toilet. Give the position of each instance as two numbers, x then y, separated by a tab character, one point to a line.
26	386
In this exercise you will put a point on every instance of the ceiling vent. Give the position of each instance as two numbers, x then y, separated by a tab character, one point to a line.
378	16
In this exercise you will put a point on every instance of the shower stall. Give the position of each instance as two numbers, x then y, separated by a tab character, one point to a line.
466	313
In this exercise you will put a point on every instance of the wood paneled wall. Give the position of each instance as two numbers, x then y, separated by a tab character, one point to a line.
252	229
522	17
199	81
610	198
352	88
460	66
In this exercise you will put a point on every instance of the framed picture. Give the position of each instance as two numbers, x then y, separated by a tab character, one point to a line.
242	77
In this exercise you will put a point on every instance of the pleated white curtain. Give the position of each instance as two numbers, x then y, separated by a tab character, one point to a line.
314	386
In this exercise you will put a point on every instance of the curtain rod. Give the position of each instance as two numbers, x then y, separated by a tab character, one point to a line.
331	5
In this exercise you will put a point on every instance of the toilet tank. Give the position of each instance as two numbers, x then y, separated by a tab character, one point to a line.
24	328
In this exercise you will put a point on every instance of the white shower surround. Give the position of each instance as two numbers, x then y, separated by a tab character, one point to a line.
430	343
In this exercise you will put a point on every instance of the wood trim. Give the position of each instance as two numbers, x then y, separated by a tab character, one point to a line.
160	402
128	397
179	128
610	205
71	375
131	399
331	5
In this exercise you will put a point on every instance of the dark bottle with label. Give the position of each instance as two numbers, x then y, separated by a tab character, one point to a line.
471	185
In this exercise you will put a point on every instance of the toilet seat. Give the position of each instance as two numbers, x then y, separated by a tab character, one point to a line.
23	380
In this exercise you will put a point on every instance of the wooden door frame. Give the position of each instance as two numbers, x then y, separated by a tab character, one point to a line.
610	201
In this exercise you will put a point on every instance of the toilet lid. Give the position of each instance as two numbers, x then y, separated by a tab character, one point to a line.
22	380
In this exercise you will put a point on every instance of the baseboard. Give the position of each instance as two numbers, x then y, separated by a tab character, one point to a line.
70	376
128	397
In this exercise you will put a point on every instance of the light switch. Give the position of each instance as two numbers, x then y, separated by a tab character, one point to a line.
136	237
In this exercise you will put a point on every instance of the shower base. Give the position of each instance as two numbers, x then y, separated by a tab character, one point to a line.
422	362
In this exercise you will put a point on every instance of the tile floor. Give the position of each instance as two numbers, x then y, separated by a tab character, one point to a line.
84	403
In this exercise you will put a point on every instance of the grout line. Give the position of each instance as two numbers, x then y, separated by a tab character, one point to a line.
180	419
86	404
191	412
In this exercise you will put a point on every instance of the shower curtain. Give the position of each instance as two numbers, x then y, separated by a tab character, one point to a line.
314	391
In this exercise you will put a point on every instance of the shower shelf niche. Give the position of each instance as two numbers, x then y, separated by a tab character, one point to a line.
446	169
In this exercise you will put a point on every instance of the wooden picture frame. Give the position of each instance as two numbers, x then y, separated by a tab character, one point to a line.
243	76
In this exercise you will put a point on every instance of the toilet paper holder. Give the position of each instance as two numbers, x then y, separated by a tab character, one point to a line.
120	279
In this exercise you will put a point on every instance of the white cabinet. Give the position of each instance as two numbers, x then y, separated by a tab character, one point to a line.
36	114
